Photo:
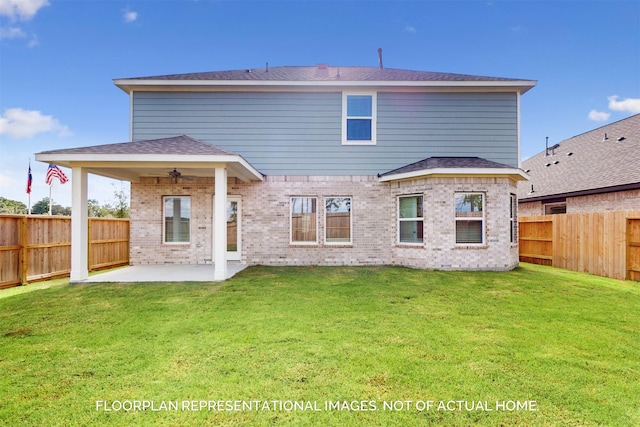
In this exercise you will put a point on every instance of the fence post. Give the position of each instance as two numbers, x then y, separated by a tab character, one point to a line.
89	223
24	250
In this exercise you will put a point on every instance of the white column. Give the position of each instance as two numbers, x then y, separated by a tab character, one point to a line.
79	225
220	224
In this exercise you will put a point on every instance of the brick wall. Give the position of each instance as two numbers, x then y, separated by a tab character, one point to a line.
439	250
615	201
266	222
618	201
530	208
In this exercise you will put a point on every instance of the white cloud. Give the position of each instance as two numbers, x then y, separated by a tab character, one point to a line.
19	123
129	15
598	116
11	33
21	9
410	29
631	105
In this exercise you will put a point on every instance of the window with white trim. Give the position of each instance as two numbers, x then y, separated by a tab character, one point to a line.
513	218
410	219
337	221
177	219
469	214
359	111
304	220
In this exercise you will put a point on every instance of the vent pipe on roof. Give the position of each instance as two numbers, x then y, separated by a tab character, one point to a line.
547	147
380	57
267	68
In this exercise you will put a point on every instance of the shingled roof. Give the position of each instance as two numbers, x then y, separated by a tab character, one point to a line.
602	160
451	165
447	163
322	75
323	72
183	145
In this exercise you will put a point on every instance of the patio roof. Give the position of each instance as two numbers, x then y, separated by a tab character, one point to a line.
131	161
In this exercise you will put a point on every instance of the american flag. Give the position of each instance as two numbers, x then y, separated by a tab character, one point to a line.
29	180
54	170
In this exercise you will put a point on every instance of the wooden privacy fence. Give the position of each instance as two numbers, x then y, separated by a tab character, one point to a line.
602	243
39	247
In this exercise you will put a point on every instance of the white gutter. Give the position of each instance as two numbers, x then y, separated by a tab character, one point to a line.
128	85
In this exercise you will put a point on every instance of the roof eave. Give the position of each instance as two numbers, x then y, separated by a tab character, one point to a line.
129	85
106	164
513	173
578	193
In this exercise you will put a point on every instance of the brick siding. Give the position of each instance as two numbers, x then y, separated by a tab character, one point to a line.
266	219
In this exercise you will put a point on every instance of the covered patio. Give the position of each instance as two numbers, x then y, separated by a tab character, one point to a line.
164	273
157	158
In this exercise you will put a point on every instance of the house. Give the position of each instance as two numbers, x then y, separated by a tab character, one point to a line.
595	171
313	166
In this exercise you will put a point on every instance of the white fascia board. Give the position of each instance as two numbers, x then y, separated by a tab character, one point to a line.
128	85
514	173
253	171
123	161
92	158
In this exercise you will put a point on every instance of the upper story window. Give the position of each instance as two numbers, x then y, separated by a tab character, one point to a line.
359	118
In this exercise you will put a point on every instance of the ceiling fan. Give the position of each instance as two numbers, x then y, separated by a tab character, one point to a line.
175	174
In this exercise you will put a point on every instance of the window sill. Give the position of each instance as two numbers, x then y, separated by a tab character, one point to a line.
469	246
410	245
358	142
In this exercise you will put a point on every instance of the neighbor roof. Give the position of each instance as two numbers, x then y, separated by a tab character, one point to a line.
602	160
320	75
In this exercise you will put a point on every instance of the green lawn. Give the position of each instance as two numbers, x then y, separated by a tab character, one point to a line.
326	346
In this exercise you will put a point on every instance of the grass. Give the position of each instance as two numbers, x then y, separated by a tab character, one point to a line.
568	342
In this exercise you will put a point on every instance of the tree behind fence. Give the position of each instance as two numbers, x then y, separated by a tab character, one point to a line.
39	247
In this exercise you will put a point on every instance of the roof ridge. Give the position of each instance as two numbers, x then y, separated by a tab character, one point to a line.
324	72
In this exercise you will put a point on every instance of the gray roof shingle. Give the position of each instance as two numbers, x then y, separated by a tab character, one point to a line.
447	163
326	73
183	145
586	163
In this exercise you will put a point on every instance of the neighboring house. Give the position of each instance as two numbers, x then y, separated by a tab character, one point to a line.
314	166
596	171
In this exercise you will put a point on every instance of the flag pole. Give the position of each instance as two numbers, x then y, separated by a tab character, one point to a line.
29	182
50	201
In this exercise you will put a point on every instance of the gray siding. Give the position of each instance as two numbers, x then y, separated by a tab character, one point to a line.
300	133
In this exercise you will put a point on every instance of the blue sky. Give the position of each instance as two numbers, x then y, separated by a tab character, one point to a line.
58	59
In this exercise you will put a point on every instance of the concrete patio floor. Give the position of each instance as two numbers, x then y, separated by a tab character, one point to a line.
164	273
